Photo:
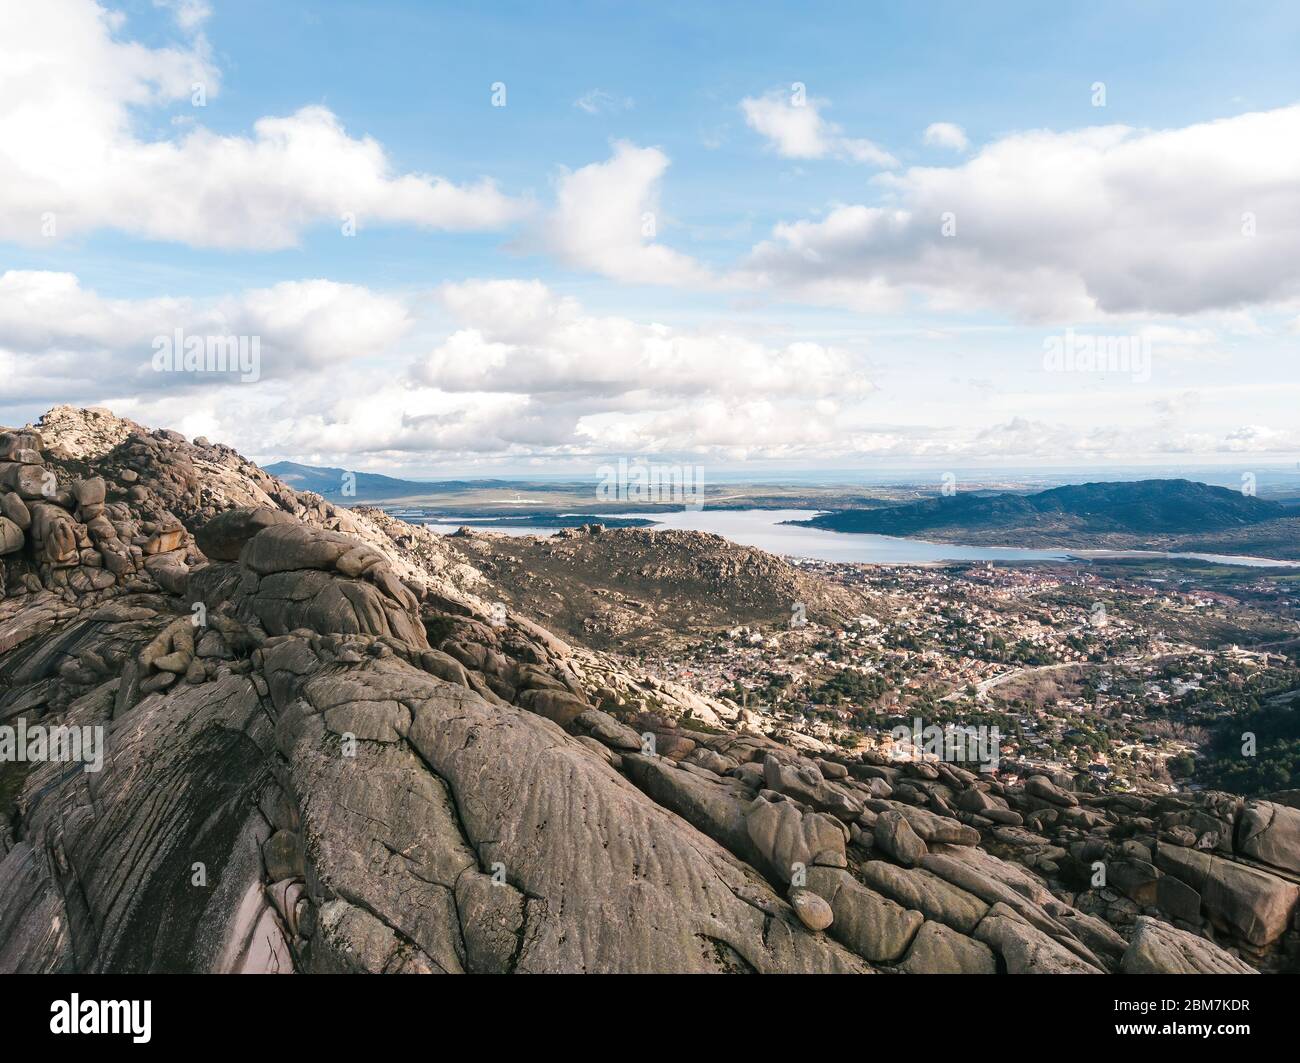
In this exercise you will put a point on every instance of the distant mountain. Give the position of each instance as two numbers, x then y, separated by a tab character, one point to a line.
369	485
1142	507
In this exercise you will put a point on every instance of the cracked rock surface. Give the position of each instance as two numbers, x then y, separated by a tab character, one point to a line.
324	752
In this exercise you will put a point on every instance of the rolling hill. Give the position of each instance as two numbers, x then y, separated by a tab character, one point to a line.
1139	508
328	482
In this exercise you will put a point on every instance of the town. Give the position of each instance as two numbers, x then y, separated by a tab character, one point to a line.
1135	677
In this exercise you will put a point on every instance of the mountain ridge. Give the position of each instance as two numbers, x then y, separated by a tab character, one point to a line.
1143	507
329	482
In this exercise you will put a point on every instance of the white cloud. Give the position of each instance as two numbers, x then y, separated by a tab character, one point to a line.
946	135
520	337
72	154
528	374
797	130
598	101
189	14
60	342
385	424
1068	226
356	420
728	429
1260	439
607	217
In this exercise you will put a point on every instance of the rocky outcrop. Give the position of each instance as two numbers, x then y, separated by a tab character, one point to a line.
1244	901
1270	833
1159	948
324	751
367	815
615	588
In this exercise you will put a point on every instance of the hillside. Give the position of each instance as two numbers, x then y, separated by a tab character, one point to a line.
369	486
308	741
625	588
1142	510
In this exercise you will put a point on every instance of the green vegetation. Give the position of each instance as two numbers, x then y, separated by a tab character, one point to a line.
1272	764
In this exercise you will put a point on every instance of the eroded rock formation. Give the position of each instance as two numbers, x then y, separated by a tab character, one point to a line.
323	751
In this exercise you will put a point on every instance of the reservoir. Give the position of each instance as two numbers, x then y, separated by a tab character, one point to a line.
766	529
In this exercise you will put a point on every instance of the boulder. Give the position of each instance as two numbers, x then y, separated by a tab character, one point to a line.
1136	879
89	492
812	911
30	482
165	541
1270	833
327	604
1250	903
169	571
894	836
1158	948
936	949
289	547
875	928
24	445
715	762
558	705
929	827
54	534
925	892
807	785
15	509
1045	790
604	728
789	840
11	536
717	809
1025	949
975	800
444	666
1178	900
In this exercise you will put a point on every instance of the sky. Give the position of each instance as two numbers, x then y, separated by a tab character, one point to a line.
496	238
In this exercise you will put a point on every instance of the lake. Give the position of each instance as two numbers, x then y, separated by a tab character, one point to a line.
766	530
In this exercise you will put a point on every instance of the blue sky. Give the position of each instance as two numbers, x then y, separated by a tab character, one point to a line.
791	306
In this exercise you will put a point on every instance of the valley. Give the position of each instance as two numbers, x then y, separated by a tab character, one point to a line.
399	744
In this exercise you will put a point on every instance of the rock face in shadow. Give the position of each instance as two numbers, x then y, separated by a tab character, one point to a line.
322	751
328	804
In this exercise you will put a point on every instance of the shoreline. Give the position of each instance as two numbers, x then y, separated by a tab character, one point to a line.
761	534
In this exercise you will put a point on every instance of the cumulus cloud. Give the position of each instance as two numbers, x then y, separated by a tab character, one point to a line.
61	342
356	421
1068	226
607	219
388	425
525	373
1259	439
796	129
520	337
73	157
946	135
572	383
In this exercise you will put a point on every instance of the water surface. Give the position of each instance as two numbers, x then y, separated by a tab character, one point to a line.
766	530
